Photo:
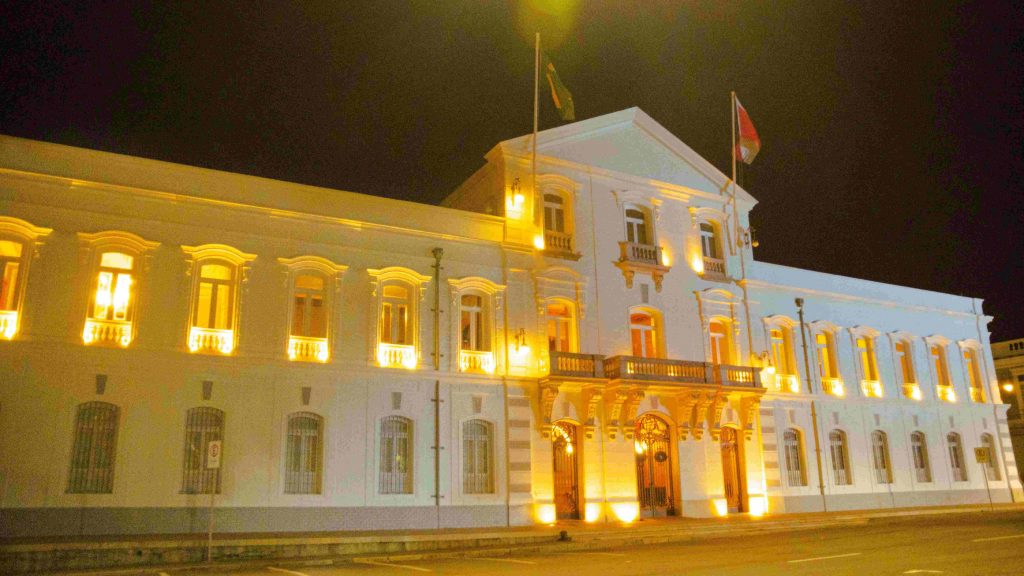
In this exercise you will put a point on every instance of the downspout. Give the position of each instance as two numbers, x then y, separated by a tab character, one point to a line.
814	413
437	253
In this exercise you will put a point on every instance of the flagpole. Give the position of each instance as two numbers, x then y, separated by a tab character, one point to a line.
739	240
536	108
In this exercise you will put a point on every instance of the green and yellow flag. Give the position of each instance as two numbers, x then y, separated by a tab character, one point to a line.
559	93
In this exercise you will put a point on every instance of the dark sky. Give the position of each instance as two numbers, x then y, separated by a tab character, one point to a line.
892	131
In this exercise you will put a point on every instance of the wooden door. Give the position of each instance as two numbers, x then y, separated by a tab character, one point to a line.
654	467
731	469
566	473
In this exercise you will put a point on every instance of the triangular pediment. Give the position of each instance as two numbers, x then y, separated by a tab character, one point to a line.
628	142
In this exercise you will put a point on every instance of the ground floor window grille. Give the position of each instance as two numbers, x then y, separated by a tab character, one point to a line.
840	458
794	453
395	455
202	426
95	443
304	454
880	457
956	457
919	448
992	465
477	467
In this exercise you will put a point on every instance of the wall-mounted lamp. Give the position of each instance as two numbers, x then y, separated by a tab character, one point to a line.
750	238
515	201
519	339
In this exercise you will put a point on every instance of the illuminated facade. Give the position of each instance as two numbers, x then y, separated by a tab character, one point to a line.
1009	360
597	343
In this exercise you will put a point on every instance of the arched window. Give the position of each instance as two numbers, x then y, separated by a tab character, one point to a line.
477	457
721	342
217	272
868	360
643	330
943	386
904	351
560	320
919	450
10	262
709	244
94	449
782	350
956	457
304	454
313	281
554	213
637	227
793	448
880	457
825	346
113	287
974	375
395	455
840	458
18	240
992	462
202	426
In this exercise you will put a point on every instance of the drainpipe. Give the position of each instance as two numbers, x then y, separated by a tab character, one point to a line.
438	253
814	413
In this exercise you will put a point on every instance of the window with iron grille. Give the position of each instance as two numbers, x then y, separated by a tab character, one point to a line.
395	455
992	466
919	449
880	457
840	458
477	458
793	448
94	449
202	426
304	454
956	457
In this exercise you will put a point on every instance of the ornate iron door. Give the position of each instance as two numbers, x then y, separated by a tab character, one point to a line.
564	448
731	468
654	466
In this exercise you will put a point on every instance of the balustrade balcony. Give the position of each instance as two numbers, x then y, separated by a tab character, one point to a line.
911	390
8	323
640	253
680	372
787	383
559	244
574	365
833	386
117	332
946	393
307	349
476	361
714	267
871	388
977	395
211	340
396	355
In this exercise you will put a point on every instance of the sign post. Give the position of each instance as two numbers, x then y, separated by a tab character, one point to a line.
213	452
981	456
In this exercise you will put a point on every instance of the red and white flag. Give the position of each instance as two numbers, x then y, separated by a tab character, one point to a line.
749	143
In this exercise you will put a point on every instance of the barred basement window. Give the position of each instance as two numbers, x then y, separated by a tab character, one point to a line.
395	455
202	426
840	458
304	454
794	451
477	467
992	466
95	445
919	448
880	457
956	457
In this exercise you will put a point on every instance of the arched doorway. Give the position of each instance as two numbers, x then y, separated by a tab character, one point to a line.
653	446
731	469
565	454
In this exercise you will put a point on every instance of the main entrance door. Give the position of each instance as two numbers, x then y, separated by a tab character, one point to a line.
731	468
654	467
564	448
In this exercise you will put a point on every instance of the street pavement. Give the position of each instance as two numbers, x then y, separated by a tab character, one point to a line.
960	545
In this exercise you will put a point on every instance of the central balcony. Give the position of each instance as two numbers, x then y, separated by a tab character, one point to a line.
307	349
643	258
8	323
680	372
116	332
559	245
476	361
396	355
211	340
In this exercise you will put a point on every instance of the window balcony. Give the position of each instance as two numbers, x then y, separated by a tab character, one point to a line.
946	393
211	340
871	388
574	365
977	395
116	332
912	390
788	383
713	267
8	323
396	355
833	386
476	361
643	258
559	245
306	349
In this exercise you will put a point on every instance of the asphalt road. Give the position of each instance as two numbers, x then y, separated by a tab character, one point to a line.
961	545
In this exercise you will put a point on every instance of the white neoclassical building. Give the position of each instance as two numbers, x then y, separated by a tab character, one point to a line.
589	341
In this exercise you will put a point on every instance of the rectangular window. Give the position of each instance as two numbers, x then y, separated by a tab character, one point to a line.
795	475
974	375
941	369
840	458
303	466
826	356
559	327
10	261
202	426
395	456
477	466
904	352
94	449
919	449
780	351
866	347
472	323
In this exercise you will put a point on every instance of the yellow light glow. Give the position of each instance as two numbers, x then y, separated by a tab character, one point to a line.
227	345
721	506
409	361
758	505
87	334
1008	387
514	206
626	511
322	354
666	258
915	393
568	448
9	322
769	370
838	389
794	386
639	449
538	241
592	512
697	263
546	513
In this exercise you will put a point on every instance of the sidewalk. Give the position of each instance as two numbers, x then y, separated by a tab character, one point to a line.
188	551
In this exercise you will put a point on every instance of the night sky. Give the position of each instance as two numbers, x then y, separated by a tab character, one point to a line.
892	131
